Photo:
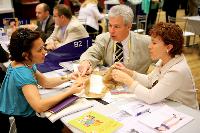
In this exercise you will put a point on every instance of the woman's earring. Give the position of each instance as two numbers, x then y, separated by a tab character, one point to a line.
167	51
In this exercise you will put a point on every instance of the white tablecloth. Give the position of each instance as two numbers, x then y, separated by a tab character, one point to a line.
193	24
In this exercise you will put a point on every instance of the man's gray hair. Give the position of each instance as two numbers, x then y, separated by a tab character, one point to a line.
124	11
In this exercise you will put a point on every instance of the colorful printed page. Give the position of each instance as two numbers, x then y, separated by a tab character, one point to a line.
139	108
165	120
93	122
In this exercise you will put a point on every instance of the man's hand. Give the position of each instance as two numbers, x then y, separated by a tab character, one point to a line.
118	65
85	68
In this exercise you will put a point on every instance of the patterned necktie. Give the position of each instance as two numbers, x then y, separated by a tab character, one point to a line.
119	52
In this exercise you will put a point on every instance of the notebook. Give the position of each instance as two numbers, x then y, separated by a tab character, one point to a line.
63	104
77	106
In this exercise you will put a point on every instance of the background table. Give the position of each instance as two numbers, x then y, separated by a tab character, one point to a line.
193	24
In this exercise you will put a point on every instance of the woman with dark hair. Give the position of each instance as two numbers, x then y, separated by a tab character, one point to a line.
171	78
19	95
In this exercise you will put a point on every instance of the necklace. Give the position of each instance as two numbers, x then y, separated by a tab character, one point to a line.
29	66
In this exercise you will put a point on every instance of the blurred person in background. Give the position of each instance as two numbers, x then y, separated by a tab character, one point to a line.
45	23
67	28
90	12
170	7
12	26
193	7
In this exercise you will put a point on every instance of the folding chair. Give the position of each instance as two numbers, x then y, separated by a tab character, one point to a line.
83	20
141	24
182	22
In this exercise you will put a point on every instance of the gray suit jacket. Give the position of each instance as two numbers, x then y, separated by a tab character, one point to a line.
102	50
74	31
48	28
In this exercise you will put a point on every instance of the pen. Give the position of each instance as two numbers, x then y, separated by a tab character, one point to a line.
142	112
139	106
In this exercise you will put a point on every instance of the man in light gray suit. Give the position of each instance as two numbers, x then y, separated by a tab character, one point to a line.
67	28
135	46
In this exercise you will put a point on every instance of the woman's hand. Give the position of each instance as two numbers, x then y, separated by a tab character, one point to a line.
77	87
120	66
75	75
79	84
122	77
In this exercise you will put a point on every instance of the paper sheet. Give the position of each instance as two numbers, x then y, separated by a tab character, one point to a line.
96	84
165	120
56	89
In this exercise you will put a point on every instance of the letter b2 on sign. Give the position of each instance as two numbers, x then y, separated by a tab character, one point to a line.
78	44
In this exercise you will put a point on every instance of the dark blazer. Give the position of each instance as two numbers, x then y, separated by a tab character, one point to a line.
48	28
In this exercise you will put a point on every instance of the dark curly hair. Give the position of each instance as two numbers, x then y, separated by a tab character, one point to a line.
22	41
170	33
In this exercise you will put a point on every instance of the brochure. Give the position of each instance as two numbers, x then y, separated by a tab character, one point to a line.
93	122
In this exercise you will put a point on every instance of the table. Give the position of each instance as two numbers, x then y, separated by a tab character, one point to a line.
111	108
191	27
123	99
193	24
192	127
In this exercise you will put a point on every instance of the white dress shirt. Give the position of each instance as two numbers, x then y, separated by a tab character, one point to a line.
44	23
91	13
